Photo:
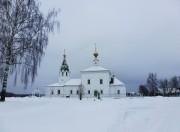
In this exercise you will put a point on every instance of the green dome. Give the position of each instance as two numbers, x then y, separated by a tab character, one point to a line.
64	66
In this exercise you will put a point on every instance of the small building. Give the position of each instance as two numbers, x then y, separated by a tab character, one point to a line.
95	81
36	93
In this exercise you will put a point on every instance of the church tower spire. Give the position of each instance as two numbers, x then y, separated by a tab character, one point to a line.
96	61
64	71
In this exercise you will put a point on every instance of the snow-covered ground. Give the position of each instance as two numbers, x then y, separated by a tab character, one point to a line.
155	114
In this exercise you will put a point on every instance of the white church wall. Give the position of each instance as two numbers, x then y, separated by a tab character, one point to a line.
123	91
71	91
117	91
94	78
113	90
54	91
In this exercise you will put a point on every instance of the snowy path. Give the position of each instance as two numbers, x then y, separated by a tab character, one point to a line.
109	115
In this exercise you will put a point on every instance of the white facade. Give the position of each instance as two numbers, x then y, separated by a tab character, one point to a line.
95	81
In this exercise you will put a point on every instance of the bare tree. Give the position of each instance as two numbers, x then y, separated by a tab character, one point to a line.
164	85
143	90
81	91
23	38
175	84
152	83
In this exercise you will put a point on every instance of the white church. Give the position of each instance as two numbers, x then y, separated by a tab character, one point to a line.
95	81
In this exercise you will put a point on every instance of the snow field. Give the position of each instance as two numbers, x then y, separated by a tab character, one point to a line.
151	114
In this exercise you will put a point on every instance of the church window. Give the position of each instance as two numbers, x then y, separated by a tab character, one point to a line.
88	81
71	92
118	91
62	73
89	91
101	91
101	81
59	92
66	74
77	91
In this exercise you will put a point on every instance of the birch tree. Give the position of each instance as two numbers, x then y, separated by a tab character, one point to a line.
152	83
24	33
164	85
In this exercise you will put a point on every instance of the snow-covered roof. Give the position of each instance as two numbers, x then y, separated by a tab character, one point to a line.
117	82
55	85
73	82
76	82
95	68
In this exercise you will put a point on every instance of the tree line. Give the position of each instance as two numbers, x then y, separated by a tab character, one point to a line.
163	87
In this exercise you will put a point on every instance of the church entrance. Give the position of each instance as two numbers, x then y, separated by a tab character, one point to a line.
95	93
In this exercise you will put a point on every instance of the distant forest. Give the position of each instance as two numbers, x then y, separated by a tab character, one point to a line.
9	94
163	87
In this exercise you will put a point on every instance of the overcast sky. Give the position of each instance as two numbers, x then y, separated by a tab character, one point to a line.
133	37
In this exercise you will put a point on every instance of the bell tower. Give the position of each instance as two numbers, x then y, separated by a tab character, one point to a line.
64	71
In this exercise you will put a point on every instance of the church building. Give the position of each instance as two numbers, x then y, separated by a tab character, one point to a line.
95	81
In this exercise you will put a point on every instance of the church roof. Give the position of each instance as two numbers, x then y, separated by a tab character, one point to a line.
77	82
71	82
55	85
95	68
117	82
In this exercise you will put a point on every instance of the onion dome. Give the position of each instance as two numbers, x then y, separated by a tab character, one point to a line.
95	54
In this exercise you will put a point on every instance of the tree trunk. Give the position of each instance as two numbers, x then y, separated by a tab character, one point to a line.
6	72
4	84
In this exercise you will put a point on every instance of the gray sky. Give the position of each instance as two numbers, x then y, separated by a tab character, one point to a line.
134	37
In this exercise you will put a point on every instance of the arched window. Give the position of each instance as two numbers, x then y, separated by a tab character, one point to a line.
89	92
118	91
71	92
77	91
66	74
